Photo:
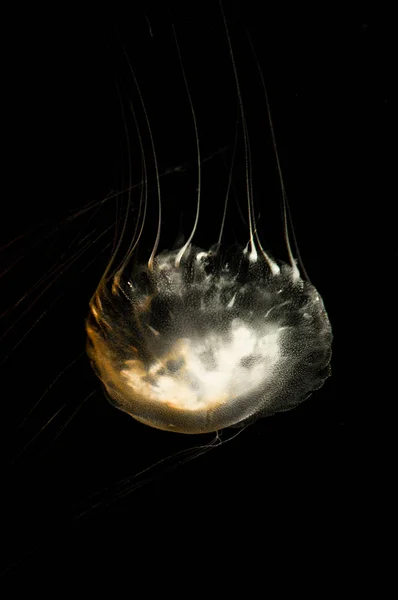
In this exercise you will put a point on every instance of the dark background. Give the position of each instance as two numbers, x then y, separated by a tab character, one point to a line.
75	502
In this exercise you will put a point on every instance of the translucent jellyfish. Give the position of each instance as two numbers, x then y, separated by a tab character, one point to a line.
195	340
188	334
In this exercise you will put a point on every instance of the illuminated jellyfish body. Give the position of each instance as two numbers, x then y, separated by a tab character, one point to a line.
194	341
201	346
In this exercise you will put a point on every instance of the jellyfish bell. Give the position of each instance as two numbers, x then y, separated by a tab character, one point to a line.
194	340
200	346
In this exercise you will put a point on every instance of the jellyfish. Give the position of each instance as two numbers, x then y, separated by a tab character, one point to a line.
203	320
216	299
198	339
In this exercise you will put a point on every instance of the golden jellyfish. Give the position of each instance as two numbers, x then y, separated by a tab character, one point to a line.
195	340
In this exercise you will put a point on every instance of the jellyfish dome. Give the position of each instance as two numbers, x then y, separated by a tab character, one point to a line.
203	343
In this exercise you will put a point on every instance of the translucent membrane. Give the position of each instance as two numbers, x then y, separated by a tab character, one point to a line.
202	344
